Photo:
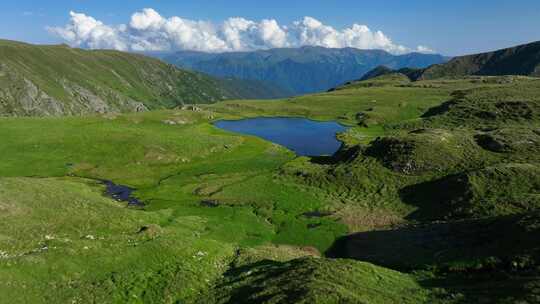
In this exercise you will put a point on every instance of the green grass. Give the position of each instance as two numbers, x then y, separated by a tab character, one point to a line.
174	168
312	280
416	152
379	104
62	241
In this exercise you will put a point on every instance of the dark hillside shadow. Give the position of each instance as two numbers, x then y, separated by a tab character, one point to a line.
444	243
457	97
438	199
493	286
404	248
251	283
476	261
440	109
341	156
323	160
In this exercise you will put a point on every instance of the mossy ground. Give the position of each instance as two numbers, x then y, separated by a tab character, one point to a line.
228	217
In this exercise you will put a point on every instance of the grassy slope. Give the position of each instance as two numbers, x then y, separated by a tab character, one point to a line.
311	280
261	192
75	79
518	60
76	246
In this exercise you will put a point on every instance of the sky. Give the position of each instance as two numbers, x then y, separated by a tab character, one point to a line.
451	28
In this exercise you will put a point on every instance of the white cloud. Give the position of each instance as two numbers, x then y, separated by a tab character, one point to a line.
147	19
271	33
147	30
424	49
86	31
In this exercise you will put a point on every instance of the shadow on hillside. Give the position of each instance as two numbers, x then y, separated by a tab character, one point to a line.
323	160
439	110
341	156
500	239
445	106
406	248
476	261
244	284
487	286
436	199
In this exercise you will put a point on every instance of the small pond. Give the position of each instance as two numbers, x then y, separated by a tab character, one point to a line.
121	194
303	136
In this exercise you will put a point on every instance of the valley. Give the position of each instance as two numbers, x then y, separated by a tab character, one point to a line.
269	152
433	197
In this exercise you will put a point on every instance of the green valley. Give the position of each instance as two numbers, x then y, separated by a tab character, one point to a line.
269	152
433	198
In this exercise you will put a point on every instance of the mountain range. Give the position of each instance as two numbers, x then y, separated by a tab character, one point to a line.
42	80
297	71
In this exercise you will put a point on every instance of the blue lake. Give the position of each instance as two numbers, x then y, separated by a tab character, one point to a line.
303	136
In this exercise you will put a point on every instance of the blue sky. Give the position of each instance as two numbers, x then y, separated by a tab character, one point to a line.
449	27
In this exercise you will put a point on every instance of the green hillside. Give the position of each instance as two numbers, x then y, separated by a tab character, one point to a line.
59	80
518	60
523	60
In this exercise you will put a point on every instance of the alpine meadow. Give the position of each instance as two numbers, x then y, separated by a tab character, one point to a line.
182	160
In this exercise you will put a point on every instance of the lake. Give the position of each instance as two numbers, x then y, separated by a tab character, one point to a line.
303	136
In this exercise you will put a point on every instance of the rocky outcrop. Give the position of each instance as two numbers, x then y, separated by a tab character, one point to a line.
24	98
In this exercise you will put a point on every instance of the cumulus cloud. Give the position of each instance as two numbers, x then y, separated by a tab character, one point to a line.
86	31
147	30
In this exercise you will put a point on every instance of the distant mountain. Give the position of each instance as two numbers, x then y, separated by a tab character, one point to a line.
245	88
253	89
521	60
59	80
298	70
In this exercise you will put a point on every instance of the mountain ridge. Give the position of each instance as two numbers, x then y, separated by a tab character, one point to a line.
304	70
520	60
